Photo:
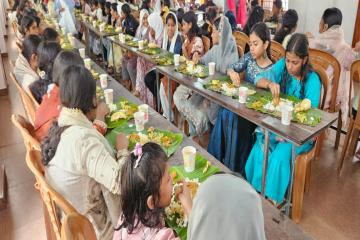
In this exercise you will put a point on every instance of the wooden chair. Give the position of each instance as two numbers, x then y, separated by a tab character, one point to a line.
27	131
326	60
52	200
354	125
277	51
29	103
206	42
240	51
303	161
241	39
77	227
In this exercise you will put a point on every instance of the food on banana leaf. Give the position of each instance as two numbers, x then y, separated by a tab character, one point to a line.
304	105
152	45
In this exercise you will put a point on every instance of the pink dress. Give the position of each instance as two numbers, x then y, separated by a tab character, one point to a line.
145	233
143	67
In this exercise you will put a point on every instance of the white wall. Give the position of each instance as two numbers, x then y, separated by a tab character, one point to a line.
310	12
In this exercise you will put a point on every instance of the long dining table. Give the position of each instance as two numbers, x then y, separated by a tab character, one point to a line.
277	225
297	134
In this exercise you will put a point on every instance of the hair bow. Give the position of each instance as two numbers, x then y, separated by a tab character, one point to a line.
138	153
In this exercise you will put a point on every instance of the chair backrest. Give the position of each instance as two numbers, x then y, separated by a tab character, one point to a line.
241	39
324	83
52	199
27	131
326	60
29	103
354	77
206	42
77	227
240	51
277	51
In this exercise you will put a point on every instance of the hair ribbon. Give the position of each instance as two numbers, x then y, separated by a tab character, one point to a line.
138	153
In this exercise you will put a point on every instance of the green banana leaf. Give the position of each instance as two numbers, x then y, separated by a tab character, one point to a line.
311	117
180	175
113	124
151	51
164	60
177	138
203	74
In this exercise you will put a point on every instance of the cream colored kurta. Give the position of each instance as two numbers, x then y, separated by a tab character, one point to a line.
84	170
24	74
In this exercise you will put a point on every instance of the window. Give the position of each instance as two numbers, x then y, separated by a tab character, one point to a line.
267	4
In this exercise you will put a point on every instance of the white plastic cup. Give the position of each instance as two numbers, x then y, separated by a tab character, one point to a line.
122	37
243	94
139	121
102	27
82	53
141	44
189	154
94	24
239	26
103	80
212	68
177	59
286	114
109	96
145	109
87	62
63	30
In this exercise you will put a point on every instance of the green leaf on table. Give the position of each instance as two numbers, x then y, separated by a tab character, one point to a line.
169	141
127	108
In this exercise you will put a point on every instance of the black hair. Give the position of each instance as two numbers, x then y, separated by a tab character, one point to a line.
102	6
211	14
46	52
30	45
288	23
137	184
180	14
95	3
255	16
166	3
170	16
332	16
254	3
263	32
194	31
232	20
278	4
299	45
77	91
125	8
64	59
50	34
108	5
114	7
145	4
26	22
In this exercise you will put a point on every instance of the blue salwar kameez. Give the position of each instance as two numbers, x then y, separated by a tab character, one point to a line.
278	172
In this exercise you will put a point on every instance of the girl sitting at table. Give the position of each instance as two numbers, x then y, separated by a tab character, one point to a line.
29	26
232	137
79	162
130	24
172	43
155	36
94	40
129	60
256	15
86	9
146	190
108	12
293	76
287	27
50	34
46	52
26	65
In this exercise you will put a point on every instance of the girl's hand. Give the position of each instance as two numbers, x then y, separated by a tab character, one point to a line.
185	198
101	111
274	89
234	76
196	58
121	142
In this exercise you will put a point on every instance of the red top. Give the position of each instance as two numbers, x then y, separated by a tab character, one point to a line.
47	112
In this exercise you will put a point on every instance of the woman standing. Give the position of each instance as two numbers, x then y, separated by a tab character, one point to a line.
293	76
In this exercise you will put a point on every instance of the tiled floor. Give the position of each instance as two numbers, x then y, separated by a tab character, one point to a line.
331	209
